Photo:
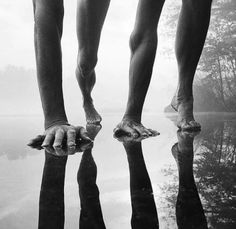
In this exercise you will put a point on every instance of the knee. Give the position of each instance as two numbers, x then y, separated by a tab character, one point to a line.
143	38
86	62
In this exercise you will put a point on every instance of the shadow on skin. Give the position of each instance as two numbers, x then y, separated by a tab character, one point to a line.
189	210
51	204
144	213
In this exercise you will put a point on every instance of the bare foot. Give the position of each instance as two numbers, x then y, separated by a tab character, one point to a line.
134	129
185	120
93	130
182	151
92	116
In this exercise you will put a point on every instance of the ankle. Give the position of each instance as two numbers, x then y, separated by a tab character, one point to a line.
136	118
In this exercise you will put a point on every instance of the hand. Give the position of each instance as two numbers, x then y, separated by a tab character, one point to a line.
59	135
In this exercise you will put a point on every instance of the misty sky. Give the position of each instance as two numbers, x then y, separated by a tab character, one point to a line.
16	48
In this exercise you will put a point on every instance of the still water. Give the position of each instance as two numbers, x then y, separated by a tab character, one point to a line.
175	180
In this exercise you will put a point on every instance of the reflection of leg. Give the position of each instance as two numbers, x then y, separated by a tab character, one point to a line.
144	213
191	33
143	43
90	18
91	212
51	203
189	211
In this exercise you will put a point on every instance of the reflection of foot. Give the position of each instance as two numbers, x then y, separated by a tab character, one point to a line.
129	139
92	116
185	119
93	130
134	129
183	150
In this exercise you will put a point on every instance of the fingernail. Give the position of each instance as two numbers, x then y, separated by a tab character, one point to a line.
71	144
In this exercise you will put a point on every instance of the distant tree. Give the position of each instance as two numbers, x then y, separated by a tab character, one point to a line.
218	60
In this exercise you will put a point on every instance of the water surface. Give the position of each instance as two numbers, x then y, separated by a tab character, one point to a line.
173	180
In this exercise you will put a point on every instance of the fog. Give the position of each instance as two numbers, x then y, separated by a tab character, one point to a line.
18	85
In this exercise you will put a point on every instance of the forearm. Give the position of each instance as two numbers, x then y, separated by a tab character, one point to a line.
49	67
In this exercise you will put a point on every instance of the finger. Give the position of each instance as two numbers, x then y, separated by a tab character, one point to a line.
50	150
60	152
48	139
71	150
84	134
154	132
71	135
38	140
58	138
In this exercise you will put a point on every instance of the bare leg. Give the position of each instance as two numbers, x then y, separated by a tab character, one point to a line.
143	44
191	34
90	18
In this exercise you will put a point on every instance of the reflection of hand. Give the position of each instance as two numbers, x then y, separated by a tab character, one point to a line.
65	151
59	135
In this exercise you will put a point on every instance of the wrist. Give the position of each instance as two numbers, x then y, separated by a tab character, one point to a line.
58	121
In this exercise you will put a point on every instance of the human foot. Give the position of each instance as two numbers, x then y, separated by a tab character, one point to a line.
182	151
93	130
133	129
92	116
185	120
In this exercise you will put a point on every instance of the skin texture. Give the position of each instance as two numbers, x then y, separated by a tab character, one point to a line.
191	33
